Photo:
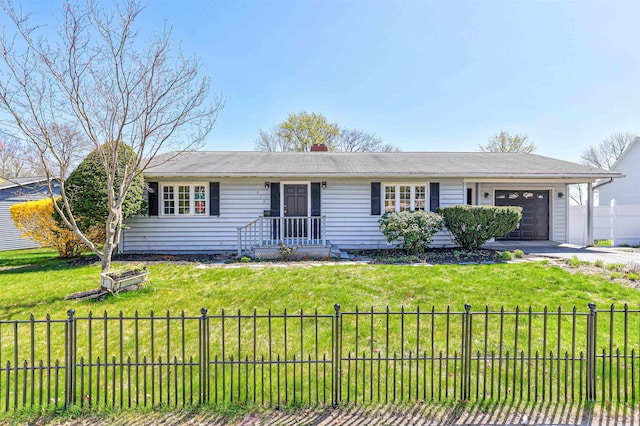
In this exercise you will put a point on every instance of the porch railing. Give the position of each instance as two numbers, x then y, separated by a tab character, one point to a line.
272	231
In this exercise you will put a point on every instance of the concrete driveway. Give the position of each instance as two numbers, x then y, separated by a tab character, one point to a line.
608	255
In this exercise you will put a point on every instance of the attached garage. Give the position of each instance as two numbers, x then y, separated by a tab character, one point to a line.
534	224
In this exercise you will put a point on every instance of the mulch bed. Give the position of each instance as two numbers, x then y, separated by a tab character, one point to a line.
432	256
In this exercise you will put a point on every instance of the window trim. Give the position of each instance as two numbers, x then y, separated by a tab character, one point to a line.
412	196
192	200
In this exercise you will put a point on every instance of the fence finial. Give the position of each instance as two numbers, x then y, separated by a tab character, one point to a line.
467	307
70	313
204	311
336	307
592	306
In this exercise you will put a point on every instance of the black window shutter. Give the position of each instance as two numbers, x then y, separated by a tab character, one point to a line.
315	199
434	196
469	196
153	198
275	199
214	198
376	190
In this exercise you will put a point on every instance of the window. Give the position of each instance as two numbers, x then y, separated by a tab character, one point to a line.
398	198
389	199
168	200
184	200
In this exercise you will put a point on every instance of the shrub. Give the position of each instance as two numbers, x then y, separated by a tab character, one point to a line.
86	189
35	220
413	229
504	255
519	254
472	226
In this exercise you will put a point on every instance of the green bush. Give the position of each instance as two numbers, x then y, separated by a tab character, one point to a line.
413	229
472	226
86	188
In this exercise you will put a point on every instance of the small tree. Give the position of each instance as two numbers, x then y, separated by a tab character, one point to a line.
413	229
473	226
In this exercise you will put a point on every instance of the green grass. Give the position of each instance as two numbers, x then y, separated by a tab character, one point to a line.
36	282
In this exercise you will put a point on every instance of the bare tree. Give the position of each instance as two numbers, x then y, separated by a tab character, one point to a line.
505	142
359	141
608	151
95	81
13	156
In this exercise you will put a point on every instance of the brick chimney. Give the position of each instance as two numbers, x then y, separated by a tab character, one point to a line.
319	147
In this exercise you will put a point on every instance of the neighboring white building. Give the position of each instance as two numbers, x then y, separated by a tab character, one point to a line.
218	201
19	190
625	191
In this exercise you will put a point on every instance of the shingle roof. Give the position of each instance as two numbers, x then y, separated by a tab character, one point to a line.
368	164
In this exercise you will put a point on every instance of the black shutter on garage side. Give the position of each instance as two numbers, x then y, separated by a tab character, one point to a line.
376	194
275	199
315	199
214	198
434	196
153	198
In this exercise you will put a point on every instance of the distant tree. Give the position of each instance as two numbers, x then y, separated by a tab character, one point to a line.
505	142
13	155
300	131
605	154
359	141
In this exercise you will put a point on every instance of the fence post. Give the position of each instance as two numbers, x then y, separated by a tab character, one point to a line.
70	361
335	400
591	352
203	355
465	355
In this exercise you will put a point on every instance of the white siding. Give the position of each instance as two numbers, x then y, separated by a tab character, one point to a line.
345	203
557	208
10	236
241	201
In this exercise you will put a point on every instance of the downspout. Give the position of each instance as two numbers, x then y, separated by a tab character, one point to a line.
589	242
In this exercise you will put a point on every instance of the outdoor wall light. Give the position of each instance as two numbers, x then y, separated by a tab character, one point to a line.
324	185
267	185
560	194
486	195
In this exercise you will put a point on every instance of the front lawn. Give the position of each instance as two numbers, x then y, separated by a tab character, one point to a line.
35	282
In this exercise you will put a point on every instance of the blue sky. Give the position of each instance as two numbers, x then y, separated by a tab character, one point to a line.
425	76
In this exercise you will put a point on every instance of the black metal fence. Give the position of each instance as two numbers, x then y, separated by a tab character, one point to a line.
363	356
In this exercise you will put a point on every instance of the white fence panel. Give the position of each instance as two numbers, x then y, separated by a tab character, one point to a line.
621	224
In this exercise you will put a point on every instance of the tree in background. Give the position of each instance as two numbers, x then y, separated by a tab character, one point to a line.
95	79
300	131
605	154
12	158
505	142
359	141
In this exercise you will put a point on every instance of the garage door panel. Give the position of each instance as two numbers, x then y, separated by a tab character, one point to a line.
534	224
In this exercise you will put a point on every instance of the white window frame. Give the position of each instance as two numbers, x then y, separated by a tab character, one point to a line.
192	201
412	196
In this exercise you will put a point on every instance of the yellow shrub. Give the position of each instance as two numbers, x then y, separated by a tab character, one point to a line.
35	220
